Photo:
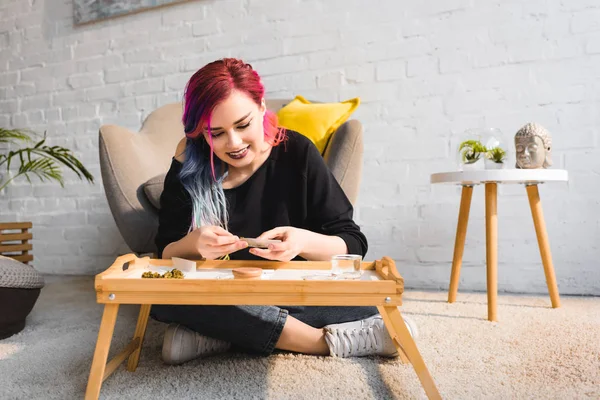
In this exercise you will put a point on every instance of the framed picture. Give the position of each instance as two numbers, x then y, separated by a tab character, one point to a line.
85	11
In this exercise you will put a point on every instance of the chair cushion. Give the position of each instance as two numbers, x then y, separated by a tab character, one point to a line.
15	274
153	189
317	121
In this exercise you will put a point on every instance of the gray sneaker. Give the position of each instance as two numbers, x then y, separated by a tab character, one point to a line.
412	326
181	344
363	338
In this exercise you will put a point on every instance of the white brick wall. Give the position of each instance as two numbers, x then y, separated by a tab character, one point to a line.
425	72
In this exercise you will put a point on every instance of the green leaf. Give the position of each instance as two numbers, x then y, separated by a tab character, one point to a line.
40	160
471	151
14	135
496	154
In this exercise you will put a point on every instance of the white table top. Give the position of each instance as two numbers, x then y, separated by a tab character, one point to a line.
268	274
514	175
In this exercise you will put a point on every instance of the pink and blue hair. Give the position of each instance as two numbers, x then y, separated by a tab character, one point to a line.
202	173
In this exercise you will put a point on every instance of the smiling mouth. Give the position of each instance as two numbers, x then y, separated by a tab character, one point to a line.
239	153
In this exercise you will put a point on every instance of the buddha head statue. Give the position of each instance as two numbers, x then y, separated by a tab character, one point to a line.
534	147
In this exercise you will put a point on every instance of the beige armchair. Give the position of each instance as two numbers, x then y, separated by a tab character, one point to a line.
134	165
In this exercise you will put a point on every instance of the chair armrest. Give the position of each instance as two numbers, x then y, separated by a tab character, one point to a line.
344	157
126	163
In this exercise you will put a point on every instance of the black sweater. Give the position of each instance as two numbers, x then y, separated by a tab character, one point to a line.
293	187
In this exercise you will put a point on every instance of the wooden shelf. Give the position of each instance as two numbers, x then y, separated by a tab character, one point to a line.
14	241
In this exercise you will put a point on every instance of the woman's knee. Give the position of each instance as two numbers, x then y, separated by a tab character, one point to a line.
161	313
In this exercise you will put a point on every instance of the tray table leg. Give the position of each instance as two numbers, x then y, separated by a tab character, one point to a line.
400	334
140	331
389	326
107	326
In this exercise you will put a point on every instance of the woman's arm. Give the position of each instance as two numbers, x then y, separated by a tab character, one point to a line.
175	216
206	242
328	228
300	242
182	248
329	212
322	247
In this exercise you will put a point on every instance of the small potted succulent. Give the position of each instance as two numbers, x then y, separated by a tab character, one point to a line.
494	158
472	154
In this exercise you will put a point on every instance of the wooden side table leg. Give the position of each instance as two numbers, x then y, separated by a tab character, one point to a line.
459	242
542	236
107	326
400	334
491	247
140	330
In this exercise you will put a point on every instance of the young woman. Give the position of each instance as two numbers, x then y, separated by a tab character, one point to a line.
237	174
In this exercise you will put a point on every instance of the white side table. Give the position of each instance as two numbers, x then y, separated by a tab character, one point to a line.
491	178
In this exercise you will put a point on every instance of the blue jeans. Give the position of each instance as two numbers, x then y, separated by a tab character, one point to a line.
253	328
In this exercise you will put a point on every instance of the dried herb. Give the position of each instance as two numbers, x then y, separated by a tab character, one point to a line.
173	274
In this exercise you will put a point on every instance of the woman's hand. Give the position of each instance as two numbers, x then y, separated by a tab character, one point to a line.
212	242
293	242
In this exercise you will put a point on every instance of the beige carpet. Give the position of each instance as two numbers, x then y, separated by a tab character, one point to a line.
533	352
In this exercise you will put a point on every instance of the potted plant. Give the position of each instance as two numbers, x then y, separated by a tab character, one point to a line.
494	158
28	158
472	153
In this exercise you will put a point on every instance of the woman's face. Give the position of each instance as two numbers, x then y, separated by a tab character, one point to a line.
237	131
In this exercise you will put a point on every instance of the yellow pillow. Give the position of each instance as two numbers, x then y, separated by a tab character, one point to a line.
316	121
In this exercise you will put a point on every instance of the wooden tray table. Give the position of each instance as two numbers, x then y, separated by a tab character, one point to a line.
282	284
